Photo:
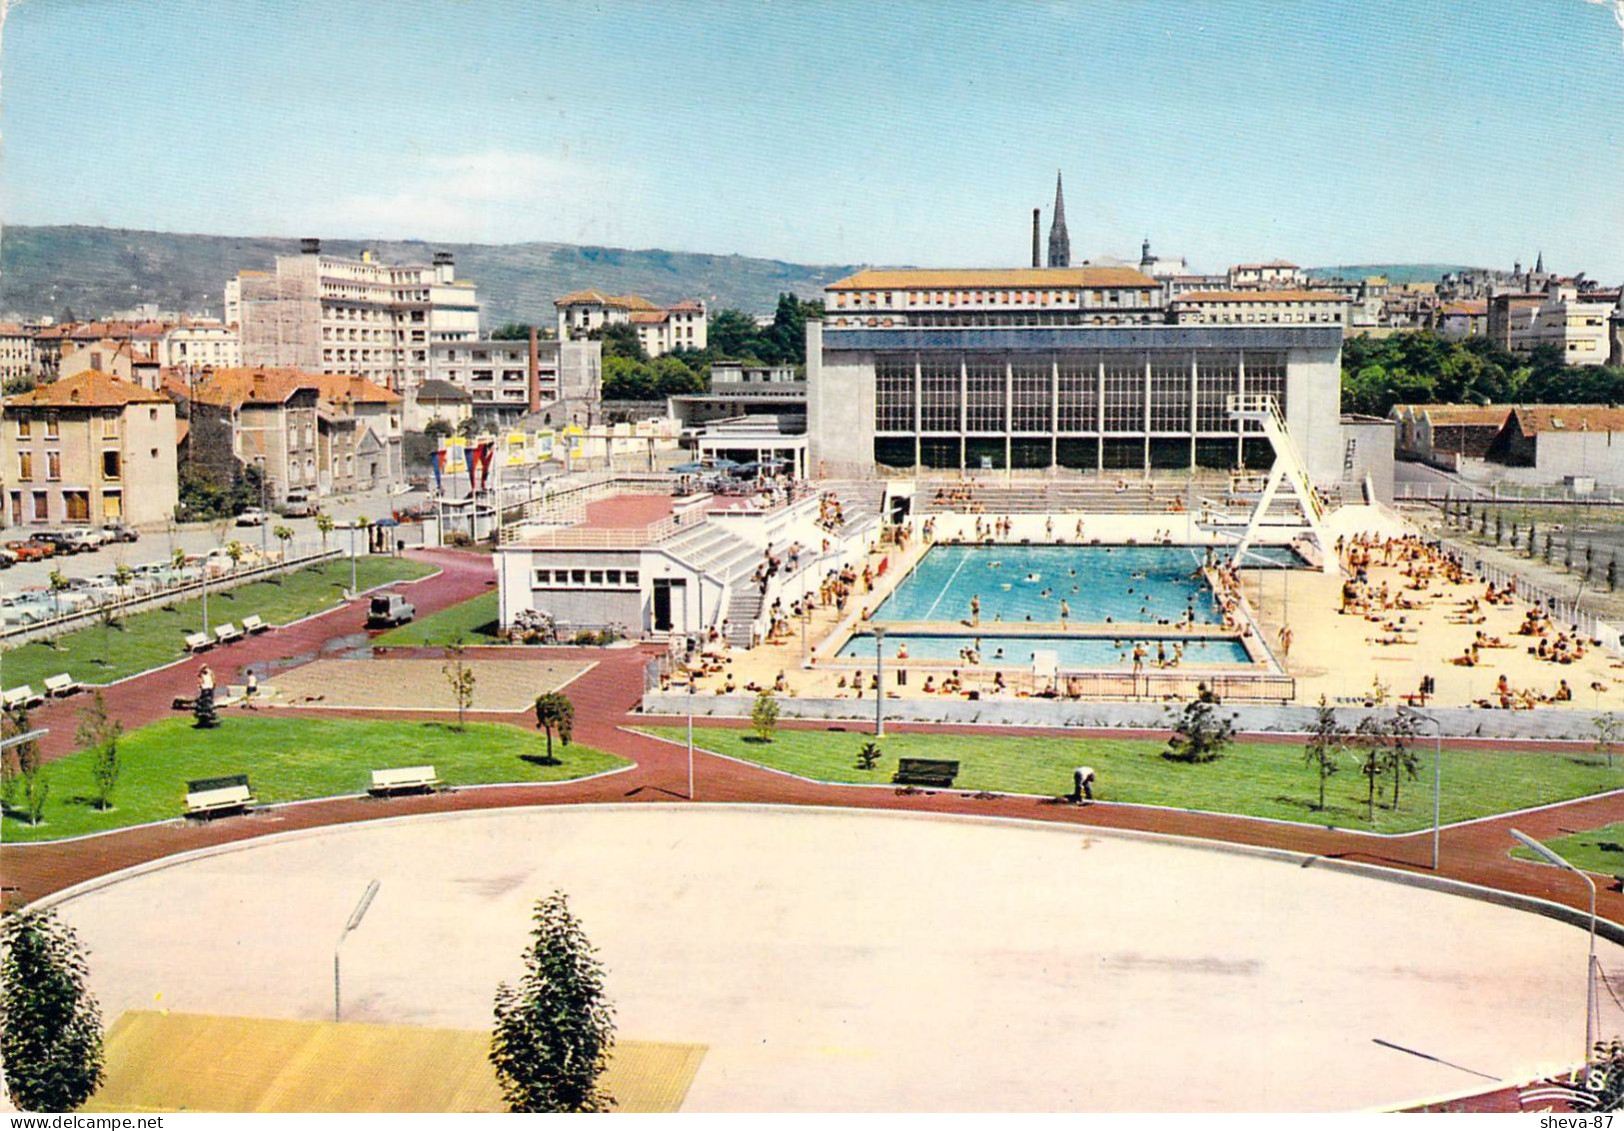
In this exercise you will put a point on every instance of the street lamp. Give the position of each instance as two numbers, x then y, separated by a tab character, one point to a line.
1437	774
879	681
1545	853
690	734
354	921
264	514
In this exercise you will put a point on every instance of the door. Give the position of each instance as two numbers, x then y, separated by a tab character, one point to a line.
662	605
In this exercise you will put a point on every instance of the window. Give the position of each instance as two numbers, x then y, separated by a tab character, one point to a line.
1170	393
1079	393
25	426
110	424
631	577
77	504
53	465
612	576
1031	387
25	466
578	576
894	394
110	464
543	576
984	394
1124	393
42	510
939	395
1217	377
597	577
51	425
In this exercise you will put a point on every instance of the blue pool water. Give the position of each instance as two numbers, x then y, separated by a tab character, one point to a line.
1072	651
1116	584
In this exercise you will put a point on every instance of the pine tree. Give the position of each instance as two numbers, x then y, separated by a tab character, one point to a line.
204	714
555	1028
50	1026
1200	734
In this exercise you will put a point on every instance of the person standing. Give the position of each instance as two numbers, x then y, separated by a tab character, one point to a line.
1082	784
975	610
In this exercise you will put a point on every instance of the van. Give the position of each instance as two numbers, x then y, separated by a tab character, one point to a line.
298	504
388	610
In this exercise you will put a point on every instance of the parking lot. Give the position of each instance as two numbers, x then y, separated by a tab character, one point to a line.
151	556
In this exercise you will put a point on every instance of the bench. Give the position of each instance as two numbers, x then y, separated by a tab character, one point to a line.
253	624
62	685
926	771
23	696
403	779
218	795
226	633
198	642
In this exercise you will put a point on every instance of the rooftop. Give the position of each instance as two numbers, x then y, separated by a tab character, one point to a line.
1042	278
90	389
1260	296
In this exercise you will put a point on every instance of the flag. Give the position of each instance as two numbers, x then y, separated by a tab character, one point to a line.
439	465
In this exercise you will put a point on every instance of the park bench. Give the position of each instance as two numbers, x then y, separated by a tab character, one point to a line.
226	633
253	624
403	778
926	771
218	795
62	685
23	696
198	642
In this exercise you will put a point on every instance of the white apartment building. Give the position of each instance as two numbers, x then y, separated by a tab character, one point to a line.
1575	323
660	329
504	384
1277	274
200	344
16	352
330	314
1229	308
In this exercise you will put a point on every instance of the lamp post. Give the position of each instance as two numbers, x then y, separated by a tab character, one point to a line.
690	734
264	521
354	921
1437	776
1550	856
353	524
879	681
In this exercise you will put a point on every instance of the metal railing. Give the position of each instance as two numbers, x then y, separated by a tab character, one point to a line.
596	537
1563	607
1146	686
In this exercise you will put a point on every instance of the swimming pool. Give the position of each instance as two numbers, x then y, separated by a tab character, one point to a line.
1099	585
1071	651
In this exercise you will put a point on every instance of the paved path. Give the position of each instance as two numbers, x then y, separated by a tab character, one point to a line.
1476	853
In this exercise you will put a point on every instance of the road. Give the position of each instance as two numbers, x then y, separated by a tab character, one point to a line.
158	543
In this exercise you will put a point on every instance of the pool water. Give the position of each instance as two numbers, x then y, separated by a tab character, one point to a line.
1071	651
1100	584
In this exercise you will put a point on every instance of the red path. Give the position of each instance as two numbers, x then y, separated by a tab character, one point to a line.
604	698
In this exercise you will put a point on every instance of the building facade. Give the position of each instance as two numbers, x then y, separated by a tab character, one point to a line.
200	344
1574	323
1230	308
16	353
660	329
1275	275
329	314
1075	369
89	449
508	379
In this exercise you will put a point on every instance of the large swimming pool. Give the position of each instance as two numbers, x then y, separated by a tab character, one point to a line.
1017	584
1071	651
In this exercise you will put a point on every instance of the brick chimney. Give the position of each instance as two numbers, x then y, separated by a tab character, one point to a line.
533	373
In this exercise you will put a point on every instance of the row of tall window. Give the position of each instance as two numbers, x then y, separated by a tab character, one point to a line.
1156	392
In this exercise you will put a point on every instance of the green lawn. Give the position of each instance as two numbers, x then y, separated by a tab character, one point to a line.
1595	850
288	759
474	620
1253	779
147	640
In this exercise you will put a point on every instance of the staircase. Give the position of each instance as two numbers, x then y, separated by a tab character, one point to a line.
743	607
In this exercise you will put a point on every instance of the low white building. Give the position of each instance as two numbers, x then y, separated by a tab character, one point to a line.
1277	274
509	379
660	329
197	345
1229	308
1562	441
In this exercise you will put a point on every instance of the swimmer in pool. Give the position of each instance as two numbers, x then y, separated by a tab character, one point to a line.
1033	577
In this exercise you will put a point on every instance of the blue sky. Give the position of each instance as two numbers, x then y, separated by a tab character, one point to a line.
1323	131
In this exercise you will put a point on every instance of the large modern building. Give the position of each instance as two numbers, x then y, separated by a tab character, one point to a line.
510	379
1574	322
331	314
1039	369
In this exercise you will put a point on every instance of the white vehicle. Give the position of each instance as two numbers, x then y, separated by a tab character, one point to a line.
253	516
84	537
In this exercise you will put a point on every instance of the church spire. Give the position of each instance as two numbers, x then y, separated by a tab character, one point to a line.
1059	241
1539	264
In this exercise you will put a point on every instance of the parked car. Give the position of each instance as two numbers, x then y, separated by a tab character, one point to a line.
253	516
55	539
119	532
299	504
32	551
388	610
24	608
82	539
8	558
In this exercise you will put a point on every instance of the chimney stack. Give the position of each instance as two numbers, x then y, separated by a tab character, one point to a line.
533	373
1036	227
309	246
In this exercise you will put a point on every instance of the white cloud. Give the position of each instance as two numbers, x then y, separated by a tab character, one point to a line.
492	196
1618	10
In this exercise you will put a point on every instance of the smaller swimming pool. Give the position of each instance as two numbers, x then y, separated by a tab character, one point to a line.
1071	651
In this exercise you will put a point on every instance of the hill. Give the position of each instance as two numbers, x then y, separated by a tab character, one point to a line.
99	270
1395	272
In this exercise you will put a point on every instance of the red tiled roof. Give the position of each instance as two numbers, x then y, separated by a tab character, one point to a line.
89	389
1014	278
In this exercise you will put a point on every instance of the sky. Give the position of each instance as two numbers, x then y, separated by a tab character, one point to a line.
824	131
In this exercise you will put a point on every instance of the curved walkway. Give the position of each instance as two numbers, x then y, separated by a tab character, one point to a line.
1475	853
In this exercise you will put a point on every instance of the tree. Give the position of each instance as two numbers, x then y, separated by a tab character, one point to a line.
1200	733
1533	535
511	332
122	576
177	558
1608	732
555	1028
555	714
284	535
24	779
764	716
1401	760
620	340
868	755
12	723
1326	741
459	676
1370	740
50	1025
98	732
59	585
324	524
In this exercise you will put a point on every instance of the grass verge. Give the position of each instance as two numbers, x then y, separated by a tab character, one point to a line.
141	641
1255	779
287	759
475	620
1595	850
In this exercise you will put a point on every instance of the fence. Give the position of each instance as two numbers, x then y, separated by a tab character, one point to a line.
1563	607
